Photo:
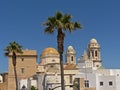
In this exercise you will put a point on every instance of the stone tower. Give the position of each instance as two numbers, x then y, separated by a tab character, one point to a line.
71	55
94	53
25	67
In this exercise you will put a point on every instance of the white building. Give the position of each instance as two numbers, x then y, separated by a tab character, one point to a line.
1	79
22	85
50	66
91	69
48	75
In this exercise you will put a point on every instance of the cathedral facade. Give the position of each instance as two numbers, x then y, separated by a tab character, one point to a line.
46	74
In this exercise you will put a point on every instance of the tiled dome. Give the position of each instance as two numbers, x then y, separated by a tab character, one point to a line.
50	51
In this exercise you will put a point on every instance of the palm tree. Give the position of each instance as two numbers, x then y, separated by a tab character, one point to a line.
61	22
12	49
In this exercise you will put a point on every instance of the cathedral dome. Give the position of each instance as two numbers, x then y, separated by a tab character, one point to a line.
70	49
50	51
93	40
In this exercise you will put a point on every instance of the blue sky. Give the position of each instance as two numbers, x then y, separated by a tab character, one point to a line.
21	21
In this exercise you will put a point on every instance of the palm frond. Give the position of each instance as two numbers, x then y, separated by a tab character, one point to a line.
51	20
61	21
13	47
59	24
77	25
67	18
49	30
58	15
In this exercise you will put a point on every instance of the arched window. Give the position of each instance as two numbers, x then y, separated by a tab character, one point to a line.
96	53
23	87
92	53
72	58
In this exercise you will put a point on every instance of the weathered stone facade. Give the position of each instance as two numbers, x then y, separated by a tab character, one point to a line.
25	67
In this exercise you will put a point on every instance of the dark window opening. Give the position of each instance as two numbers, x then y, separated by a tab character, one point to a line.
22	70
101	83
96	53
53	60
86	83
110	83
72	58
92	53
22	59
70	78
23	86
51	66
97	65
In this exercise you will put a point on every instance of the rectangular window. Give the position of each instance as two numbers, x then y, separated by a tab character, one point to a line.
22	59
70	78
101	83
92	54
72	58
86	83
96	53
110	83
22	70
53	60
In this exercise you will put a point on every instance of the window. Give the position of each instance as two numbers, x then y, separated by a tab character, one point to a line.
44	67
23	87
72	58
53	60
86	83
22	70
22	59
51	66
110	83
96	53
97	65
101	83
92	53
70	78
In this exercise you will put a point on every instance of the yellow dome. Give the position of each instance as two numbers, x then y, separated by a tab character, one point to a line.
50	51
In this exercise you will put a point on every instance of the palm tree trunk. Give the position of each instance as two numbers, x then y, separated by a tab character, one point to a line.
62	72
16	81
14	65
60	40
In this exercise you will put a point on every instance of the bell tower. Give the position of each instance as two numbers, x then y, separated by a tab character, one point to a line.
71	55
94	53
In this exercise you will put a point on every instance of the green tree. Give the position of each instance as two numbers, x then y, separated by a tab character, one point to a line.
12	49
33	88
61	22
